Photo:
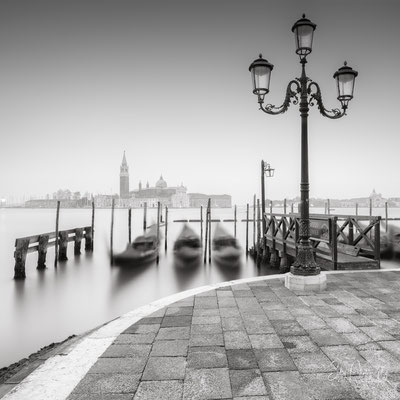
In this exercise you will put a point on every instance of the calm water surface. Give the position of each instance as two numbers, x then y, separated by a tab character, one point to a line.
86	291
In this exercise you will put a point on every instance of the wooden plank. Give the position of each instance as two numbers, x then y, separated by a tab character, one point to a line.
348	249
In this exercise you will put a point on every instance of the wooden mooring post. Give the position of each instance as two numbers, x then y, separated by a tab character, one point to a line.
130	225
206	236
209	231
56	244
254	224
158	229
328	206
386	216
166	228
356	209
247	229
235	221
92	232
258	251
144	216
201	224
112	232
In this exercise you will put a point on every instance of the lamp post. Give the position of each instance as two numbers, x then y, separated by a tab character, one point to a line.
266	171
304	92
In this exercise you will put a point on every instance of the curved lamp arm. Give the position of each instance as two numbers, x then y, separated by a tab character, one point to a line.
316	96
291	96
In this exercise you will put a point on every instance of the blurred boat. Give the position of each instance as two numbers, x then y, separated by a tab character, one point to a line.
143	250
226	250
187	247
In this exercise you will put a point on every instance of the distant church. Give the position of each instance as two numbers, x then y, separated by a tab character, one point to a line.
174	196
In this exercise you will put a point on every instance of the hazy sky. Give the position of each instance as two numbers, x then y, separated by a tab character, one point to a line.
168	82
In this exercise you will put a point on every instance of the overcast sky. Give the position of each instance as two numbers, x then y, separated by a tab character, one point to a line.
168	82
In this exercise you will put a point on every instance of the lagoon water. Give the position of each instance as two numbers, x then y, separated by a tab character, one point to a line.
86	291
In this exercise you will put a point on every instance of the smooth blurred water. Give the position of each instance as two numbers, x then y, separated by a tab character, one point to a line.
86	291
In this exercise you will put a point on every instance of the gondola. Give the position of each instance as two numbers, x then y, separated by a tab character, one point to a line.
226	250
143	250
187	247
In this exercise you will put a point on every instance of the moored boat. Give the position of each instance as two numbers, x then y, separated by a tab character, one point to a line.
226	250
143	250
187	247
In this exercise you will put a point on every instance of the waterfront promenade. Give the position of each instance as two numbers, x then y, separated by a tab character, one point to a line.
253	340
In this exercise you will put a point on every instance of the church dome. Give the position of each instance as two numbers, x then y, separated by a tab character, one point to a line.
161	184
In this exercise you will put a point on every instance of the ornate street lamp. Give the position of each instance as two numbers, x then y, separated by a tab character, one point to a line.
266	171
305	92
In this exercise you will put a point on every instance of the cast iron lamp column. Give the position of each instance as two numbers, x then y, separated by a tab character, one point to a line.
305	92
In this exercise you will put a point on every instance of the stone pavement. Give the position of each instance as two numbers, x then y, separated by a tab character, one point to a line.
260	341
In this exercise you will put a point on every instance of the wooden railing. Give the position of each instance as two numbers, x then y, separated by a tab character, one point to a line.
40	244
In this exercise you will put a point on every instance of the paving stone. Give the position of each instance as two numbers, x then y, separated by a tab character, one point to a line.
173	333
359	320
243	293
212	339
300	311
348	361
224	293
137	338
205	384
183	320
211	319
143	328
108	383
382	359
236	340
204	312
343	310
126	350
287	385
175	311
205	302
341	325
158	313
268	341
247	382
310	322
198	329
159	390
368	346
330	386
252	398
391	346
273	305
371	313
229	312
325	312
119	365
257	325
152	320
299	344
227	302
288	328
376	333
274	360
312	362
327	337
233	324
373	388
99	396
389	325
241	359
207	357
278	315
357	338
164	368
171	348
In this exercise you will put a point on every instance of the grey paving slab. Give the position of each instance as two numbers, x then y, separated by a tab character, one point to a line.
175	311
206	339
200	329
207	357
143	328
108	383
173	333
376	333
127	350
327	337
274	360
138	338
164	369
288	328
313	362
119	365
151	320
205	384
208	320
299	344
241	359
266	341
174	348
341	325
374	388
182	320
205	312
232	324
247	382
310	322
382	358
392	346
159	390
99	396
236	340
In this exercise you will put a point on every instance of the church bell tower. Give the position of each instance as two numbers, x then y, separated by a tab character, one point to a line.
124	179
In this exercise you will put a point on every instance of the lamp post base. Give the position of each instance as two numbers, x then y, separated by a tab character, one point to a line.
305	264
315	283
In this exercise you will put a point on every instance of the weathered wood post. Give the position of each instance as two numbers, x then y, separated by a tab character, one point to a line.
273	259
270	207
130	225
42	251
283	255
377	234
254	225
62	252
56	239
357	209
145	216
386	216
292	208
78	241
235	220
21	250
333	222
92	243
259	255
247	230
166	228
112	232
351	231
325	208
206	237
329	206
209	232
370	216
201	225
158	229
284	206
88	238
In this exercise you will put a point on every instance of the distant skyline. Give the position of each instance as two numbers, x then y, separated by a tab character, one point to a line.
168	82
